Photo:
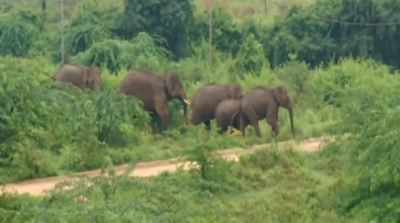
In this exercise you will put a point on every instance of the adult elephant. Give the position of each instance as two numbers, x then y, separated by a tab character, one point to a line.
155	92
79	76
206	100
264	103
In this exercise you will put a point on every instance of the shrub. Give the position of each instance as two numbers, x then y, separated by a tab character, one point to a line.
227	36
215	173
140	53
251	56
115	113
63	128
332	85
168	19
373	123
85	30
16	37
296	75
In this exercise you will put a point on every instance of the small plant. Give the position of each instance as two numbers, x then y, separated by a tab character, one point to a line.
215	173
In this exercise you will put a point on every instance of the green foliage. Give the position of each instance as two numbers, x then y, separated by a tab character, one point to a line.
91	24
333	85
366	94
214	172
16	36
117	116
142	52
297	75
63	128
251	56
168	19
227	36
277	191
316	37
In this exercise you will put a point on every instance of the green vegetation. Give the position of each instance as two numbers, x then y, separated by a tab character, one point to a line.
342	76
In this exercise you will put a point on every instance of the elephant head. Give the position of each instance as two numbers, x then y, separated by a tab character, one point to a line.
282	98
92	78
174	89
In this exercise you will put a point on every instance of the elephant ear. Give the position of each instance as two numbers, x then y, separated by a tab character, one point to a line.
94	78
280	95
173	85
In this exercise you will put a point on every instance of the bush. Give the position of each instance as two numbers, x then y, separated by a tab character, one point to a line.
140	53
296	75
85	30
332	85
115	113
369	103
227	35
63	128
215	173
168	19
251	56
16	37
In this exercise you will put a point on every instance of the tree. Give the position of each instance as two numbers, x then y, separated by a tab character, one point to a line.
168	19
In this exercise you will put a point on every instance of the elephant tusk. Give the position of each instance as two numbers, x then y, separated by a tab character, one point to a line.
187	102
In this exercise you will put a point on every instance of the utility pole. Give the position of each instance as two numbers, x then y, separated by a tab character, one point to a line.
62	46
210	7
266	6
44	6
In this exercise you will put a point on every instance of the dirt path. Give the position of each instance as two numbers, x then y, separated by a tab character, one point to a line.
40	187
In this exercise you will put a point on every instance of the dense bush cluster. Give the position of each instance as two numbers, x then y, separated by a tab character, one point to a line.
142	53
43	120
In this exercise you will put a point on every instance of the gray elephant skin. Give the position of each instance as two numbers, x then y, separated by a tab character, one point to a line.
227	114
79	76
155	92
206	100
262	103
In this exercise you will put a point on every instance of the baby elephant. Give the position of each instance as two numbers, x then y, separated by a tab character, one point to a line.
78	76
227	114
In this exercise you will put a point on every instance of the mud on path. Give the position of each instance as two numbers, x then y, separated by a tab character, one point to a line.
40	187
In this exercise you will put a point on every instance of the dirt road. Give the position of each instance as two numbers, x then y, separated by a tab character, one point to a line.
40	187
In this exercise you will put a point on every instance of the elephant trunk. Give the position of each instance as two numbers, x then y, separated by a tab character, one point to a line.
290	109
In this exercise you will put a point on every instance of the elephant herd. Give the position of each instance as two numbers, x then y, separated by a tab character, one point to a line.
227	104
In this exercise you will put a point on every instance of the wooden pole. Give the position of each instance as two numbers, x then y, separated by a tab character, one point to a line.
210	6
62	46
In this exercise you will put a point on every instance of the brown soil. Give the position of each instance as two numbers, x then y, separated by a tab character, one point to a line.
40	187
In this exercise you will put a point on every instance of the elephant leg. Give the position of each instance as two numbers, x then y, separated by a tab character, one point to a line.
254	122
272	120
243	125
252	118
163	114
222	130
208	125
257	127
154	123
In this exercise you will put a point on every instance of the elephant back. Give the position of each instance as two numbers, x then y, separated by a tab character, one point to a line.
71	74
144	87
206	100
